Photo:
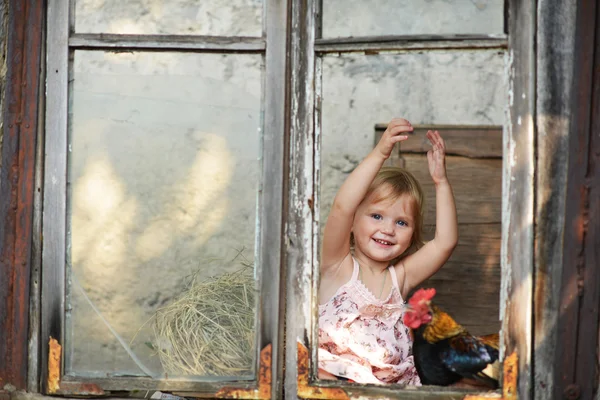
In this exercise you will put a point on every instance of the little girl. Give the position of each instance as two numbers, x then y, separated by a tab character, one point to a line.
378	211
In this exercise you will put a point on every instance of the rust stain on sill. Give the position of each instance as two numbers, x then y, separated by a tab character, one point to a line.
306	391
55	386
509	381
54	354
264	381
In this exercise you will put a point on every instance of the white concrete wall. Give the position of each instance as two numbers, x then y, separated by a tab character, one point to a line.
343	18
439	87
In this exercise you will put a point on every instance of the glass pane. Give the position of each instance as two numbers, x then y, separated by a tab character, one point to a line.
163	169
344	18
360	92
175	17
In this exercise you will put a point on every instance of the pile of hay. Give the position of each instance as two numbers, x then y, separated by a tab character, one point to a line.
210	329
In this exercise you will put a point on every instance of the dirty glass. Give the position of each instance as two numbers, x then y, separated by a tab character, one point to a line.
174	17
467	88
163	176
345	18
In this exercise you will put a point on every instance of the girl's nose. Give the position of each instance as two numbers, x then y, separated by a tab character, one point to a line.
387	228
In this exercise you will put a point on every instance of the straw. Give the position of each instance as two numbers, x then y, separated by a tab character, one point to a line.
210	328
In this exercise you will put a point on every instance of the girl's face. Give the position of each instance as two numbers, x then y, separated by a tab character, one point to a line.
383	230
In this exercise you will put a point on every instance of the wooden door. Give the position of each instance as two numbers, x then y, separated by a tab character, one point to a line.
468	286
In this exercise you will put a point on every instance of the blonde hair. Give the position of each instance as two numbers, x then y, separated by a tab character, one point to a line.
392	182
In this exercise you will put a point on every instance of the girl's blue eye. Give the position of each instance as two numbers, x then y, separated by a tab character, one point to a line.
402	223
376	216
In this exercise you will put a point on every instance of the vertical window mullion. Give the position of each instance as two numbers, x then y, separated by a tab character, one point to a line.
271	186
55	180
301	191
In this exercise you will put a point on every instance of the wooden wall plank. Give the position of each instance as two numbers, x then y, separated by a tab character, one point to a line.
477	186
554	64
468	285
576	357
467	140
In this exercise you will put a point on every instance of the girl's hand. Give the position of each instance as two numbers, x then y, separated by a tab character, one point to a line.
392	135
436	157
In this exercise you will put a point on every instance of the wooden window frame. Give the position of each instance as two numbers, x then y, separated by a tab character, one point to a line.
20	266
517	200
62	41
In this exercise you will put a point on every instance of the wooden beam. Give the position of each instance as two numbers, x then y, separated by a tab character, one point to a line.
554	64
372	44
271	204
123	42
301	207
518	194
17	171
52	289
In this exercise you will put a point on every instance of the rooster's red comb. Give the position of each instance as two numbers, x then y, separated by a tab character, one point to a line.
421	295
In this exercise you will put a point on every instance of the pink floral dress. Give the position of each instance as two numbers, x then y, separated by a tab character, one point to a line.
363	338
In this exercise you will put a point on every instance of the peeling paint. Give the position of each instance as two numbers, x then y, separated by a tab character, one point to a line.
264	381
54	357
305	391
510	376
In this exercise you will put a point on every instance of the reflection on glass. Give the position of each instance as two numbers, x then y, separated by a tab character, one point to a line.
344	18
439	87
175	17
163	172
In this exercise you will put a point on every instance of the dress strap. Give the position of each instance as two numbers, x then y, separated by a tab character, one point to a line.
355	270
392	270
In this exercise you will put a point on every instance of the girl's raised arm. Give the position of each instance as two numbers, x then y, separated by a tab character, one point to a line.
336	235
430	258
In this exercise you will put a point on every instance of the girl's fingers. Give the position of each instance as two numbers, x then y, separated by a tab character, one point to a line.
398	121
399	138
436	140
400	129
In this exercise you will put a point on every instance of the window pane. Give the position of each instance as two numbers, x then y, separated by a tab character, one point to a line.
444	88
163	171
344	18
177	17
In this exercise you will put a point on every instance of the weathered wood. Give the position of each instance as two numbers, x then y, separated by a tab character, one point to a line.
299	232
478	244
124	42
476	183
555	63
468	141
55	181
518	195
206	385
17	172
468	285
576	371
34	367
271	205
412	42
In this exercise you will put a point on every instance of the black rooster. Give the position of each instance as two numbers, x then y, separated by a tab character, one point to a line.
444	351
